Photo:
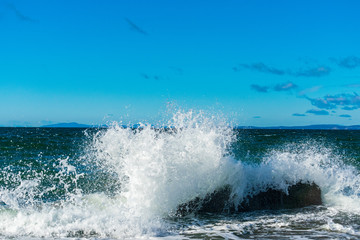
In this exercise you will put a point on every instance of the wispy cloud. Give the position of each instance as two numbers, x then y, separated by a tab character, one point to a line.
19	14
309	90
317	71
299	115
281	87
321	103
261	67
347	62
318	112
285	87
349	108
345	116
135	27
311	70
344	100
259	88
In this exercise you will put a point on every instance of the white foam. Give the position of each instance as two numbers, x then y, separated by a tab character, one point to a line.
164	169
312	162
157	171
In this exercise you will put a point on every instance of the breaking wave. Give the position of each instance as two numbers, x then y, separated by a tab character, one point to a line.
129	182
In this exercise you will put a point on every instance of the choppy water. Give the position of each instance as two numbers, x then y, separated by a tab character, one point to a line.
121	183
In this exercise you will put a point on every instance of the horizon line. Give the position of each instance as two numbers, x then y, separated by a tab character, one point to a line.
311	126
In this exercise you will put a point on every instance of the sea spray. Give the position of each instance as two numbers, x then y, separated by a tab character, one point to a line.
156	170
163	169
127	183
313	162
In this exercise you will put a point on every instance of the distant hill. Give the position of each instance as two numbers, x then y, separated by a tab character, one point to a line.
315	127
67	125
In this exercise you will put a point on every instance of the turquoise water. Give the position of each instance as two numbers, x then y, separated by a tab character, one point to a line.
121	183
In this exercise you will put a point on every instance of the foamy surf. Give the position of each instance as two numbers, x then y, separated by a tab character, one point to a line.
128	183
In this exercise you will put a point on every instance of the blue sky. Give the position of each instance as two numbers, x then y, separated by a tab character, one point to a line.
261	63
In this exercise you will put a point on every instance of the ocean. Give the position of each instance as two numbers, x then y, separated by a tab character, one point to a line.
124	183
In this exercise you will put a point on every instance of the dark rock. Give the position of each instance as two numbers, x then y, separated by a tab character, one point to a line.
212	203
299	195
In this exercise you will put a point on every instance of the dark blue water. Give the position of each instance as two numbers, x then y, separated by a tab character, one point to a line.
120	183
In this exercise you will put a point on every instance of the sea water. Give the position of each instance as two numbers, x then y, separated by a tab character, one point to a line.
126	183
